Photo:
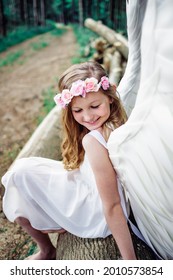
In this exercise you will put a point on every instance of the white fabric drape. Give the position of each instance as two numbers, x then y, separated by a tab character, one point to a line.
142	149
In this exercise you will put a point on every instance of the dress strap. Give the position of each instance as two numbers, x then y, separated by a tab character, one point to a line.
96	134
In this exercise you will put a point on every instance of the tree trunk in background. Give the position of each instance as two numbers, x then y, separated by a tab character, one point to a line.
21	8
89	8
73	11
25	10
112	12
3	30
35	12
98	10
64	12
80	13
42	11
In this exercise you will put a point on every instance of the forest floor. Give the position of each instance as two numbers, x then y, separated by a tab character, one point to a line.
21	93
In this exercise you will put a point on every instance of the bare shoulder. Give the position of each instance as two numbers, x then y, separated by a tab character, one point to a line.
90	142
94	150
97	154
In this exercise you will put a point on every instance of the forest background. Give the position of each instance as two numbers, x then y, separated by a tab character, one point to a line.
39	39
40	13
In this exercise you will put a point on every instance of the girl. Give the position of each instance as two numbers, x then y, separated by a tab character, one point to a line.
80	194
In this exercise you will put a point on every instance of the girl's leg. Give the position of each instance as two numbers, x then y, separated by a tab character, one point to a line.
47	250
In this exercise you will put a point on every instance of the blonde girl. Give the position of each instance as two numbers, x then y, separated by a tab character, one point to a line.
81	194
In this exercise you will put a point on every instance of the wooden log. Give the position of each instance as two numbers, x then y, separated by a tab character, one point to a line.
45	141
107	61
109	34
71	247
115	74
100	44
107	58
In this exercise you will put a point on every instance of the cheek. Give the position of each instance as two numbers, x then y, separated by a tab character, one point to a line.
77	118
106	110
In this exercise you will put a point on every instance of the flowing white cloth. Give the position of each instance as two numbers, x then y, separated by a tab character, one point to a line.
51	198
142	149
129	84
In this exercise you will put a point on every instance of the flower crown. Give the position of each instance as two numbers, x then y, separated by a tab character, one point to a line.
80	88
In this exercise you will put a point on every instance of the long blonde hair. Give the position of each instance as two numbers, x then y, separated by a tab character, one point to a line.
73	132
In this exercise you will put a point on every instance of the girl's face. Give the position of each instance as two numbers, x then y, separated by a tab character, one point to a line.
91	111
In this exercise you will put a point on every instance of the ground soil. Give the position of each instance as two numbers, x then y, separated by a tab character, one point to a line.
21	101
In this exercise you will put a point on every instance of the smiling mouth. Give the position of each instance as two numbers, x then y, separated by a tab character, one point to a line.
93	122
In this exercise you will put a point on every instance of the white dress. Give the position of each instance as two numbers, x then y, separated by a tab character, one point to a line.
50	197
142	149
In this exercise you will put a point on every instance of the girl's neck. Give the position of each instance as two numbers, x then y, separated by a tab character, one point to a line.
105	130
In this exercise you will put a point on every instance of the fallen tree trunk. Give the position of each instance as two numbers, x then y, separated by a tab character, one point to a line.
109	34
45	141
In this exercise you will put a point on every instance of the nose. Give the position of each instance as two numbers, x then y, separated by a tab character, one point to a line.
87	116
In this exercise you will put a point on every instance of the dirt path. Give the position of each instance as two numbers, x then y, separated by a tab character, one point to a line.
21	101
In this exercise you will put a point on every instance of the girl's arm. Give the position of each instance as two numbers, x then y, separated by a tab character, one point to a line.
106	181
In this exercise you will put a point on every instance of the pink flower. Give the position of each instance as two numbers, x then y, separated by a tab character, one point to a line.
104	82
58	100
78	88
91	84
63	99
66	96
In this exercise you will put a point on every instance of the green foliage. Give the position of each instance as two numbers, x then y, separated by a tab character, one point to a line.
57	6
111	13
32	249
11	58
2	230
48	103
39	45
58	31
21	34
84	36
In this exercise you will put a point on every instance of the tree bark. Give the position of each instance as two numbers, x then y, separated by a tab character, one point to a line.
3	29
35	12
42	12
25	10
80	13
71	247
110	35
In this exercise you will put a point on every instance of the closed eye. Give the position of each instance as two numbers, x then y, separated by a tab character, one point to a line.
95	107
77	111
